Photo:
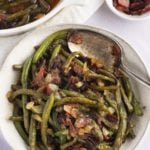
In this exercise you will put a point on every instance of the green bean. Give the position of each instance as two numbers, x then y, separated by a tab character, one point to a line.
112	103
15	87
107	73
91	95
130	131
67	54
126	101
69	60
137	107
24	82
25	20
43	47
21	13
12	4
123	122
103	107
71	93
16	118
17	67
81	100
102	88
99	76
33	70
62	135
128	88
98	131
25	72
45	117
44	5
55	120
66	145
109	124
32	134
30	92
54	55
19	127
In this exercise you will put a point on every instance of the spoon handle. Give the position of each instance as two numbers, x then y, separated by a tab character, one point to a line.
135	76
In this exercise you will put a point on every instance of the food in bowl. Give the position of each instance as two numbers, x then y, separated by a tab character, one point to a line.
132	7
14	13
65	100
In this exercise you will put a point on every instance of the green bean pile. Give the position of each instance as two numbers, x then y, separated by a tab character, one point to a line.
14	13
64	100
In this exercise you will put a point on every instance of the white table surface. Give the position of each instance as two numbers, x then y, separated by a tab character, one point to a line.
135	33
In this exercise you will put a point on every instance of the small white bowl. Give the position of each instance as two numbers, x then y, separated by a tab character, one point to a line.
17	30
126	16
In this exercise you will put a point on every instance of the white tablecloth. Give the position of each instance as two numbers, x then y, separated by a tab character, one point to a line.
135	33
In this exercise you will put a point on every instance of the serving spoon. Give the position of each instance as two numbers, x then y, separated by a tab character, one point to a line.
98	46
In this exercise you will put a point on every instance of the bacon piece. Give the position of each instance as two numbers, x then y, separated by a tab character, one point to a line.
56	79
39	76
82	122
124	3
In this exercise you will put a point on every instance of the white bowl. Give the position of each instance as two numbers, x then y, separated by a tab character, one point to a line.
126	16
17	30
26	47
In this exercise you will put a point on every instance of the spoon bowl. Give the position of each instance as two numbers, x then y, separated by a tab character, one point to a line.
108	51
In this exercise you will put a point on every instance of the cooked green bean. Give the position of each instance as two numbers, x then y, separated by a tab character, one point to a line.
71	93
32	134
107	73
24	82
123	122
19	127
45	116
103	88
99	76
21	13
112	103
30	92
81	100
66	145
137	107
109	124
16	118
43	47
128	88
126	100
17	67
98	130
54	55
69	60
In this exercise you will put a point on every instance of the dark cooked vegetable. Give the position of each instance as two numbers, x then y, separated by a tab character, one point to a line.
61	102
14	13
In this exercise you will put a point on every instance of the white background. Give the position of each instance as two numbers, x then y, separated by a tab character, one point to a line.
135	33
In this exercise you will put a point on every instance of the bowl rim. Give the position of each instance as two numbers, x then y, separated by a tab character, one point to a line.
74	26
126	16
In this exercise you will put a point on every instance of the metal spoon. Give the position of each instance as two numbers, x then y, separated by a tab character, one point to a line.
103	48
